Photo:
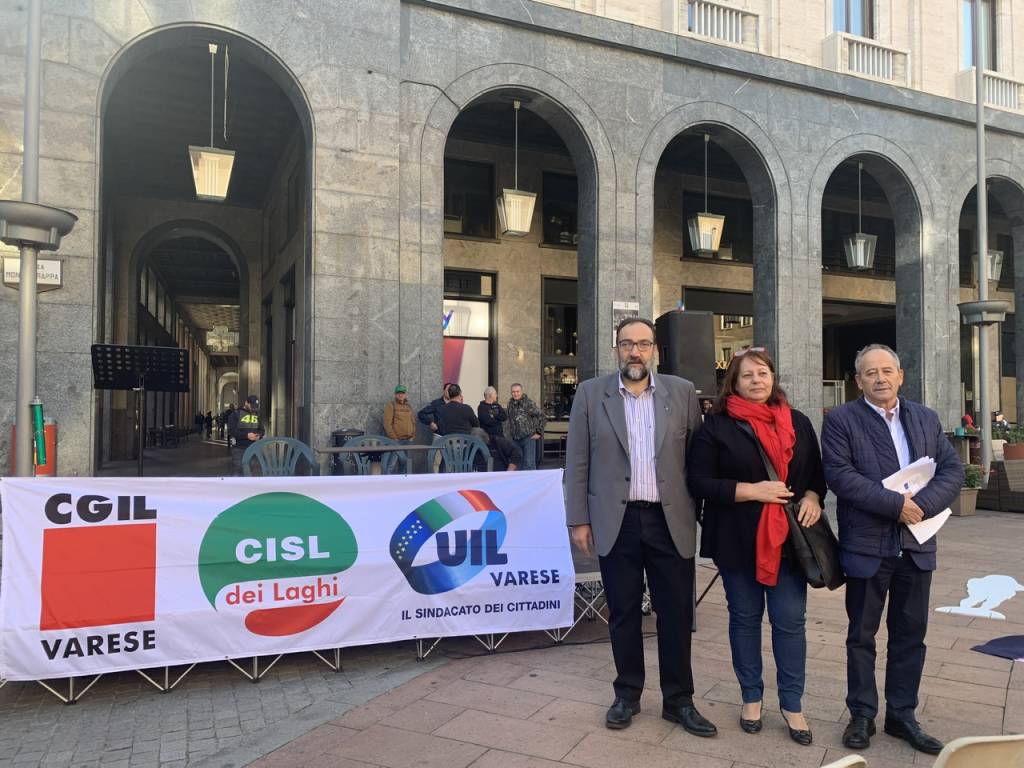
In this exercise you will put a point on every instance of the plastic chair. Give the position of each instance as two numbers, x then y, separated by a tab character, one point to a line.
850	761
983	752
364	461
279	457
459	453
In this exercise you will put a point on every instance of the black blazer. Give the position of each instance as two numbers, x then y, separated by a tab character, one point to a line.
721	455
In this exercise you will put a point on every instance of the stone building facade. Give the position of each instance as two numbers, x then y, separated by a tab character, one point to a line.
377	88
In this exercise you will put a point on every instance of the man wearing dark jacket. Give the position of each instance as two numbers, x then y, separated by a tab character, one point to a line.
863	442
430	414
455	417
492	416
244	429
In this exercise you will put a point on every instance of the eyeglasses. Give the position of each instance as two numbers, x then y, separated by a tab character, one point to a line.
742	352
627	346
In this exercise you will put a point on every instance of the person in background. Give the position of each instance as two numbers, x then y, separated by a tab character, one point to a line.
744	528
707	405
209	424
399	421
505	454
430	413
244	429
492	416
198	422
525	425
455	417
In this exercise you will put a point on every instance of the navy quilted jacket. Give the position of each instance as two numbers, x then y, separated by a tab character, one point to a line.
857	454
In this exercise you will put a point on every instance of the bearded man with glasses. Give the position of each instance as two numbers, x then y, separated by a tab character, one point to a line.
626	498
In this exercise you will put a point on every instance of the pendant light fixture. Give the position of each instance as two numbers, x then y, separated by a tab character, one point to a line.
211	167
515	207
860	248
706	228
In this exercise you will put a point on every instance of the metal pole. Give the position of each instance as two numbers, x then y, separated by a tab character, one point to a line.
29	255
982	200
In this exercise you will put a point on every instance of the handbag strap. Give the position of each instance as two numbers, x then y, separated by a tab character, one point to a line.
772	474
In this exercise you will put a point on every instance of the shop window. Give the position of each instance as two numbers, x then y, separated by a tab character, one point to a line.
559	345
855	17
468	198
467	324
559	198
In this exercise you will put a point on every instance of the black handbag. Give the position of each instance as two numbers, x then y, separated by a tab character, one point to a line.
816	548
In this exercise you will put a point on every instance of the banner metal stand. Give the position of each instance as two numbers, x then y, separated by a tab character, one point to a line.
167	685
256	675
333	665
72	697
422	654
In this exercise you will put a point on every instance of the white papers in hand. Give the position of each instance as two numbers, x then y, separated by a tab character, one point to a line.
913	477
927	528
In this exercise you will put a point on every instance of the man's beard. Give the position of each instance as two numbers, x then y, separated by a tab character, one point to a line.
634	370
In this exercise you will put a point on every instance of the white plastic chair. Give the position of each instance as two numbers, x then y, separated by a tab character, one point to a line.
983	752
850	761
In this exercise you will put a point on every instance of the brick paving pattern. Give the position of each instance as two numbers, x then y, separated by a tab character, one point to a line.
532	705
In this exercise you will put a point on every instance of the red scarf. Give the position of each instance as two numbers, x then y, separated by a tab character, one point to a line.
773	427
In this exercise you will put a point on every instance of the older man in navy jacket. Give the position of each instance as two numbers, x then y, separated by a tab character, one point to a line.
863	442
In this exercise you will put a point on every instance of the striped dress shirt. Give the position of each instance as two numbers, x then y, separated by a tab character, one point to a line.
643	479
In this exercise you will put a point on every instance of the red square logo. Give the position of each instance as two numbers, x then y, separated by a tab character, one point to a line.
97	575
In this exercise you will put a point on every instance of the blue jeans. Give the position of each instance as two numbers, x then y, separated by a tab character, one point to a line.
787	606
529	448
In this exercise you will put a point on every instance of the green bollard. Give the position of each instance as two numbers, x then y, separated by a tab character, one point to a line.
38	429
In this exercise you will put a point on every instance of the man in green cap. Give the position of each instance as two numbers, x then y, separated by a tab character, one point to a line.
399	419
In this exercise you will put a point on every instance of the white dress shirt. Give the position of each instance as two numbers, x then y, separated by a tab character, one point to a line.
643	479
899	437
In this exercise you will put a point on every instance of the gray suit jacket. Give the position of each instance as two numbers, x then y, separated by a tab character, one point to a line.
597	459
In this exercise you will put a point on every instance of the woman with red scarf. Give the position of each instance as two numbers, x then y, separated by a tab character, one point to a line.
744	527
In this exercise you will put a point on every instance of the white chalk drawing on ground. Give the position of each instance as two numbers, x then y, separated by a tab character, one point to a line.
984	595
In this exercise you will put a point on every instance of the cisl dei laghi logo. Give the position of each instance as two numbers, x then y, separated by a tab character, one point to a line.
474	549
277	557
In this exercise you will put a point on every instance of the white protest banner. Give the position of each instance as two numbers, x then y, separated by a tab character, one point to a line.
107	574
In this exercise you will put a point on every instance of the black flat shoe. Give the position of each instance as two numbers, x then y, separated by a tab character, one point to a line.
859	732
910	731
620	714
750	726
691	720
801	736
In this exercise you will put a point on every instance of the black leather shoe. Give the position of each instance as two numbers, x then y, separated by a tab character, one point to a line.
859	732
691	720
750	726
910	731
620	713
802	737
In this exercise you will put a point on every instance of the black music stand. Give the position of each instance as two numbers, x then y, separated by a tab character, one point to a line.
141	369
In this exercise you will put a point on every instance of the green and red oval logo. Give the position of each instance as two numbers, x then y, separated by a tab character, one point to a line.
278	558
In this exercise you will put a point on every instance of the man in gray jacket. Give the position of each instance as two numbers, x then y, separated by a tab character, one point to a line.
626	497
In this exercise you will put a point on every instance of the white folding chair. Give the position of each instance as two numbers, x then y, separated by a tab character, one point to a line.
983	752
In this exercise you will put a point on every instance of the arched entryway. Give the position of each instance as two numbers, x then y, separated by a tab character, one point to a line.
882	304
718	267
227	279
1006	248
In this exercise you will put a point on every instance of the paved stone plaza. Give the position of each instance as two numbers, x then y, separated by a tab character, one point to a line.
532	705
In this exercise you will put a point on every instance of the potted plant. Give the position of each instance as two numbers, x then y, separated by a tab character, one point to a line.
1013	457
966	505
1014	437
